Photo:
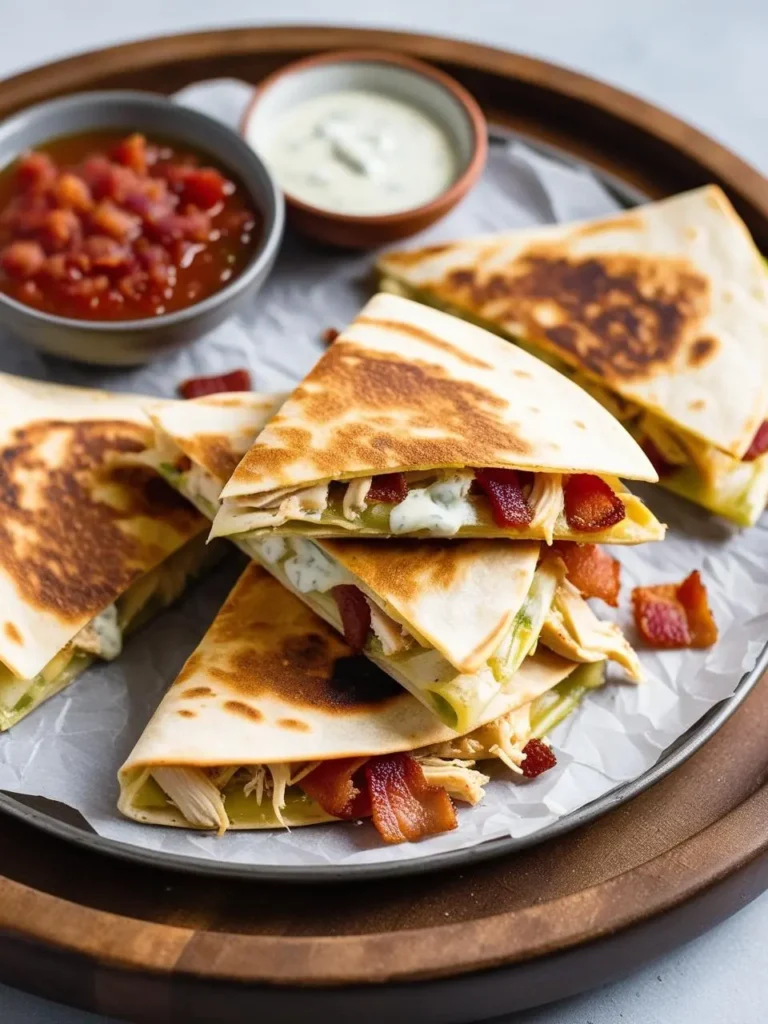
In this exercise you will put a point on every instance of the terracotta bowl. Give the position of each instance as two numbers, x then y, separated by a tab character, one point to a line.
435	93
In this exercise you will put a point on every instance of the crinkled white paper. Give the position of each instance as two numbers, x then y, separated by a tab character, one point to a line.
70	749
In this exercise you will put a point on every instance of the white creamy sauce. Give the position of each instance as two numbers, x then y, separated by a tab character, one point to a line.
441	508
310	569
358	152
271	549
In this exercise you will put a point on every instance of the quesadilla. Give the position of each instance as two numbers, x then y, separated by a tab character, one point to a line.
275	721
417	424
90	547
661	313
452	620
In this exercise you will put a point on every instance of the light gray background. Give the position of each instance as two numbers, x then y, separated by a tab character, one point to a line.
706	60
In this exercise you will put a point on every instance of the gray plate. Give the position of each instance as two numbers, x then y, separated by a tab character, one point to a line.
62	821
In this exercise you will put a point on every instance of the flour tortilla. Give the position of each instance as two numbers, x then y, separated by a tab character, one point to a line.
271	683
406	387
665	305
458	596
76	531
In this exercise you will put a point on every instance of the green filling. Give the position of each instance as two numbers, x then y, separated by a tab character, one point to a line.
444	710
552	707
522	638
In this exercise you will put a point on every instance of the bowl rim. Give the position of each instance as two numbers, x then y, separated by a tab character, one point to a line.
448	197
274	214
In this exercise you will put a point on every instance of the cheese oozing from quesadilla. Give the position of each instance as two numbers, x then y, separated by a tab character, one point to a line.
454	655
416	424
661	313
274	721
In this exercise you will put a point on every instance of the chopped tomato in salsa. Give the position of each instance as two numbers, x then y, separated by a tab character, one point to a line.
590	504
504	491
99	227
673	615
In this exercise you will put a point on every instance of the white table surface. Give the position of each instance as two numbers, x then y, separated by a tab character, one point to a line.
705	60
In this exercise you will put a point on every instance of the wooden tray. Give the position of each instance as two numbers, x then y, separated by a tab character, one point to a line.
150	945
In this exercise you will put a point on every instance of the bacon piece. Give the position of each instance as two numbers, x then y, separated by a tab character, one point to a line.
675	615
759	443
657	460
590	504
355	614
591	570
539	758
405	806
504	490
333	785
389	487
197	387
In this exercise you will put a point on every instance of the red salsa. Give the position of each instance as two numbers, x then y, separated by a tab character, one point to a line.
101	227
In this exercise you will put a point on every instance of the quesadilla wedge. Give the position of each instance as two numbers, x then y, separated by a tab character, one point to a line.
274	721
661	313
89	547
452	620
417	424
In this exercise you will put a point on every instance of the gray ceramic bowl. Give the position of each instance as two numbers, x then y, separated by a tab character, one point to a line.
131	342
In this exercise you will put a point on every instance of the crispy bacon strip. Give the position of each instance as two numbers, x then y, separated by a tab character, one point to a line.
657	460
389	487
591	570
355	614
197	387
759	443
333	785
539	758
404	805
675	615
590	504
504	490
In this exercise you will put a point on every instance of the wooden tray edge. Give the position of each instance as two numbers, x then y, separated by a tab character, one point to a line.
670	879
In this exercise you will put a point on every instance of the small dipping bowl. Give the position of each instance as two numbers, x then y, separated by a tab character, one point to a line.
133	342
419	85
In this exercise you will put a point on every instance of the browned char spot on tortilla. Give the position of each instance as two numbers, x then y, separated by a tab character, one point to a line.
294	723
195	692
426	338
68	513
701	351
186	713
266	642
238	708
396	405
625	222
697	405
215	453
12	633
620	316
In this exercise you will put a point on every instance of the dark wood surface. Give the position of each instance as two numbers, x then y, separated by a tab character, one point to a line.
155	946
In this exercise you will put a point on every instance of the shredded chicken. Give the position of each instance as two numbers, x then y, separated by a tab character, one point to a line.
457	777
504	738
354	497
196	797
391	634
546	502
269	779
574	631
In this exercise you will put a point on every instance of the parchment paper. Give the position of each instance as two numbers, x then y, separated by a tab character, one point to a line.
71	748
